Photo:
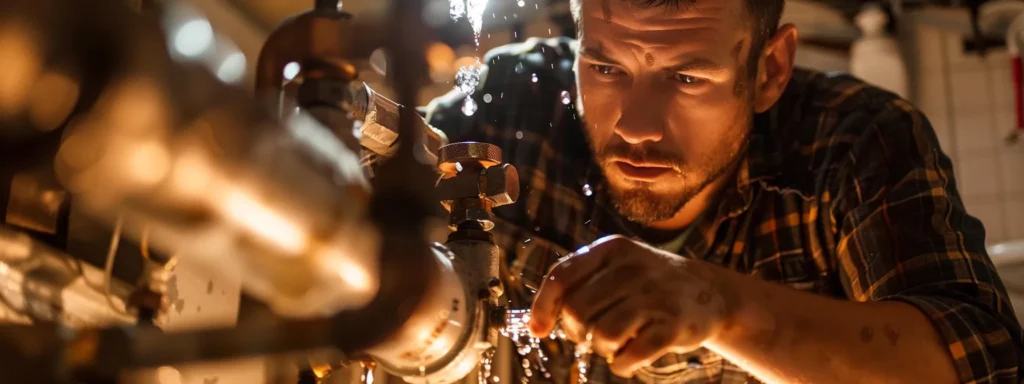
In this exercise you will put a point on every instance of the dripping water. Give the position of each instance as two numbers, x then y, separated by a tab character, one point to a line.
367	376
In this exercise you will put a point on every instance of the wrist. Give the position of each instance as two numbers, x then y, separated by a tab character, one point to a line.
745	312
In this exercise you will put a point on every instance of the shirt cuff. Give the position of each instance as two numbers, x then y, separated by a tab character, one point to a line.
982	348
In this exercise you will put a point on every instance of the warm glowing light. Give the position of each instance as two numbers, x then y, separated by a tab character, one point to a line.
232	68
440	56
193	38
21	63
250	214
136	105
355	275
291	70
53	97
147	163
191	175
168	375
467	61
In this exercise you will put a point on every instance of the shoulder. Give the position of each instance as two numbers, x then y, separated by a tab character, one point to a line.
824	124
512	75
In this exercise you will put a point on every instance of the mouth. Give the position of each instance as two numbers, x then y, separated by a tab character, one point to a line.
642	172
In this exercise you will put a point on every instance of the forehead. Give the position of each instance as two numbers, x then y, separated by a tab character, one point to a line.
708	21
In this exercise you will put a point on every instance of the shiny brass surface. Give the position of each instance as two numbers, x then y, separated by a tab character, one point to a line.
36	201
450	156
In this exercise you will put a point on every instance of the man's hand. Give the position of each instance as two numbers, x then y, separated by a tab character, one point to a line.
637	302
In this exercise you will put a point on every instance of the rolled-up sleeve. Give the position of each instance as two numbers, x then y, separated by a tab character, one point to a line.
905	235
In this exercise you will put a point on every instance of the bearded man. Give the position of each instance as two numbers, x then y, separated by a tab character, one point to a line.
736	219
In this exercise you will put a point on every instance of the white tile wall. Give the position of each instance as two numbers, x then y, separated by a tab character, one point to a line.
969	101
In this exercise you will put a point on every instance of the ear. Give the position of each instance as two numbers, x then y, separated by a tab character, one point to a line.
775	67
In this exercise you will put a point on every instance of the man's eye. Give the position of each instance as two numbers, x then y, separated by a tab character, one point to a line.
688	80
605	69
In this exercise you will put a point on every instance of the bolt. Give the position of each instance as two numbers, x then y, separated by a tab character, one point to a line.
502	185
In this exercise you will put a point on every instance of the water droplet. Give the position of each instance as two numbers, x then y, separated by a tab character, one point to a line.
519	67
469	107
587	191
566	98
549	31
496	379
487	98
456	9
527	241
519	135
458	166
536	6
475	13
291	70
521	3
467	79
534	78
367	373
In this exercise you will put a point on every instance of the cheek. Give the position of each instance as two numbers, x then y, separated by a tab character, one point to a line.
600	104
705	126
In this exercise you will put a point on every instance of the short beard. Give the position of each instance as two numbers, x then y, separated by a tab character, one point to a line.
640	204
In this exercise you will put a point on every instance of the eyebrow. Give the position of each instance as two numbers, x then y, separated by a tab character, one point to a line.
692	65
698	65
596	54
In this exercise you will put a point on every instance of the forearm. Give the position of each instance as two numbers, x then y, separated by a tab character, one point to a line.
784	335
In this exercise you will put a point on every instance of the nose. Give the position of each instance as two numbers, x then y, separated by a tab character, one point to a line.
642	118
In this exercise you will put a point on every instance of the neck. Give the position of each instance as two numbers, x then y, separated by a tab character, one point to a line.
694	207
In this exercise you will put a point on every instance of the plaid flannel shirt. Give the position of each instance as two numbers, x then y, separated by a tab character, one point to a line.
844	192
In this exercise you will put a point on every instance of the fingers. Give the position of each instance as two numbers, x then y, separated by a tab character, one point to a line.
563	279
654	341
609	286
613	329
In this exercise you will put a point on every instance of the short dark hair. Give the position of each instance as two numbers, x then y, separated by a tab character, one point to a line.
764	19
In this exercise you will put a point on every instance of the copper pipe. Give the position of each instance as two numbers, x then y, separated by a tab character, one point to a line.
322	34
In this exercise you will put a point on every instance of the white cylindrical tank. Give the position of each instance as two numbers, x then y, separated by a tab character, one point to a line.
875	57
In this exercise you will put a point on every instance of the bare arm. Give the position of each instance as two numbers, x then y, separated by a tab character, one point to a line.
783	335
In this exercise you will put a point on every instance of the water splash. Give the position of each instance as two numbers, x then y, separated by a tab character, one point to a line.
367	376
468	79
517	328
582	353
484	374
473	10
469	106
475	14
456	9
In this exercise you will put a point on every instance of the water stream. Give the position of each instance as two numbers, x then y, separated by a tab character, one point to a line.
529	349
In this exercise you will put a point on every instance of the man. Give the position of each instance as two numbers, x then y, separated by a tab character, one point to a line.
769	223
